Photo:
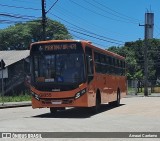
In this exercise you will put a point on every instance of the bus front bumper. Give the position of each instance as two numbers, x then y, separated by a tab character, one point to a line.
81	101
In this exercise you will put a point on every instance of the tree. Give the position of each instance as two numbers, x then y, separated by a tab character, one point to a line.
134	53
19	36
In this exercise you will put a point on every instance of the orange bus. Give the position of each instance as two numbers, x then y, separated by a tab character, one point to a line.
68	73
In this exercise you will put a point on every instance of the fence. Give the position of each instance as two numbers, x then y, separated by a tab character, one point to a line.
132	87
136	86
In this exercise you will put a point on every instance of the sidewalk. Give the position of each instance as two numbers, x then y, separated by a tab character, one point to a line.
142	95
15	104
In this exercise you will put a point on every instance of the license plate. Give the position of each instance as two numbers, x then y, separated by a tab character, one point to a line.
56	102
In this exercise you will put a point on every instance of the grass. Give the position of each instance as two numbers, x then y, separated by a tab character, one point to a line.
19	98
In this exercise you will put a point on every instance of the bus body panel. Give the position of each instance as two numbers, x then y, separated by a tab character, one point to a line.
108	86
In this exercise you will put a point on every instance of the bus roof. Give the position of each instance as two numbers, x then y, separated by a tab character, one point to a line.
83	42
100	50
54	41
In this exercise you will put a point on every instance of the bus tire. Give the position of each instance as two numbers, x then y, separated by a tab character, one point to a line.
117	102
53	110
96	108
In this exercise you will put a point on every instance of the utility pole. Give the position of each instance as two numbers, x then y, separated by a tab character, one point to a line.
148	34
145	64
43	20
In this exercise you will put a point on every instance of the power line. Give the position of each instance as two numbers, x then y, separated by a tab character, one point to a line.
11	22
16	16
82	29
86	31
19	7
158	31
66	12
52	6
115	11
23	1
97	13
93	36
85	39
118	16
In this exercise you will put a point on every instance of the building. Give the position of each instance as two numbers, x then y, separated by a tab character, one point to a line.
15	72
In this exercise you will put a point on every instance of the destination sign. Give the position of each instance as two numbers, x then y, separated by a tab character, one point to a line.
57	47
51	47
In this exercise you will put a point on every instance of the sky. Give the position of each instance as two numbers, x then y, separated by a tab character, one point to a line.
105	23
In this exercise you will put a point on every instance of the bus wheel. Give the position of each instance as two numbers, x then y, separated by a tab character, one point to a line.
96	108
53	110
117	102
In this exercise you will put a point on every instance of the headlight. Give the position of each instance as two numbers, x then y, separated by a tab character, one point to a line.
36	96
79	94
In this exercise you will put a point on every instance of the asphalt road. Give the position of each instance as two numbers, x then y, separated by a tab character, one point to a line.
135	114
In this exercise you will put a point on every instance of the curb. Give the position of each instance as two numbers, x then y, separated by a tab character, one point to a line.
15	105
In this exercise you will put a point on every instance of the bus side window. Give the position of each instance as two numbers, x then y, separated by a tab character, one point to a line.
103	63
89	63
107	64
113	66
110	65
122	67
97	62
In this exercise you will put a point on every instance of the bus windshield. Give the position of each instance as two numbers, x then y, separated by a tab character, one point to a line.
59	68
